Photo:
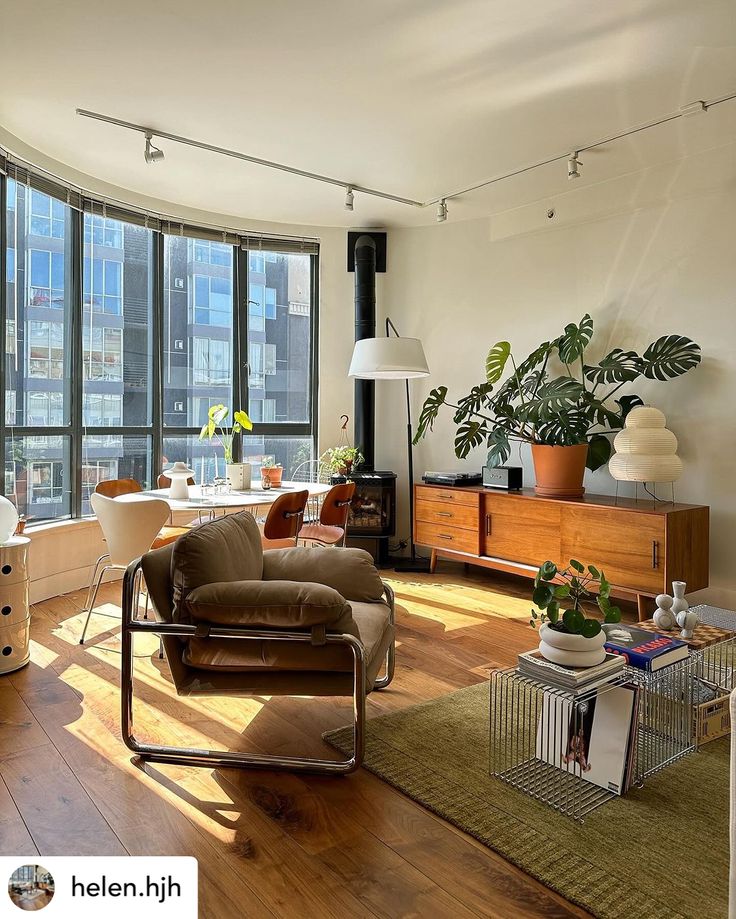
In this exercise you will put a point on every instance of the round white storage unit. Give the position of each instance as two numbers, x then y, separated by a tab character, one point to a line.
15	619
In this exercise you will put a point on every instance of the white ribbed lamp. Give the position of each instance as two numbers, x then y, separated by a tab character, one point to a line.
388	359
645	450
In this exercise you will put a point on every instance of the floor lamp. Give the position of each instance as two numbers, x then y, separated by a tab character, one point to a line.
395	358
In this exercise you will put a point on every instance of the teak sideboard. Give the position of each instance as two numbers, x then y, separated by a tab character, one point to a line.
641	546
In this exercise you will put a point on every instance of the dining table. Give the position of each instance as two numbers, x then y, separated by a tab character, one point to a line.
211	505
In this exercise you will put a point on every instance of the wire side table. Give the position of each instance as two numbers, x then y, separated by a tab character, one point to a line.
531	724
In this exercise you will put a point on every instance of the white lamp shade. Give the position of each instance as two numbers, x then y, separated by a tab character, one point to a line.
388	359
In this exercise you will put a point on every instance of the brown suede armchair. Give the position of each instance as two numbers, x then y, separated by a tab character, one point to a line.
237	621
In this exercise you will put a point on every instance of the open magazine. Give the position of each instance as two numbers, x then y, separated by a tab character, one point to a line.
593	738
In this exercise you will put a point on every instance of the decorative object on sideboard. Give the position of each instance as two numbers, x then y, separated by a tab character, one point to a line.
686	618
565	418
567	636
179	473
271	472
8	519
664	618
216	429
646	451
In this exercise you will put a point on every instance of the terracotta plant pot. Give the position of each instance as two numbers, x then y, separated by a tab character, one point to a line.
559	470
274	474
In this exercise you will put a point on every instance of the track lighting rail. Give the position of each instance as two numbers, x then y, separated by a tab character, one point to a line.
571	157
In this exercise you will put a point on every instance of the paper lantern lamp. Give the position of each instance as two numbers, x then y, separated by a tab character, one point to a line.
645	450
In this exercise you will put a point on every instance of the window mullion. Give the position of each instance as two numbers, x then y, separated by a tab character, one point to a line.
75	359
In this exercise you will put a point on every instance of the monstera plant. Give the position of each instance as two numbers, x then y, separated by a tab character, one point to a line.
557	402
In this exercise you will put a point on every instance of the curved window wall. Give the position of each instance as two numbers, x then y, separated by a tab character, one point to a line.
119	338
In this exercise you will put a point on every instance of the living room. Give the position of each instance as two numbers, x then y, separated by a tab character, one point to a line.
367	520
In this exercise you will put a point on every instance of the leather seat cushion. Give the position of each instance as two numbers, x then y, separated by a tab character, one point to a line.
235	654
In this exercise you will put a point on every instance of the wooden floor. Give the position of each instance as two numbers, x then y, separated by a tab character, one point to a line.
268	844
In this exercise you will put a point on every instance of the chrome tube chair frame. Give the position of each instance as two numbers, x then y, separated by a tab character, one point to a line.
214	758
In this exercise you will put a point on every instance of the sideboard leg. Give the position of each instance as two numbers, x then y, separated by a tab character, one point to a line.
433	561
642	603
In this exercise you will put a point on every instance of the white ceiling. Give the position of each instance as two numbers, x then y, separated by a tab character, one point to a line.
415	97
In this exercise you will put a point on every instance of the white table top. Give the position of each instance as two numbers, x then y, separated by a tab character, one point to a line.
253	497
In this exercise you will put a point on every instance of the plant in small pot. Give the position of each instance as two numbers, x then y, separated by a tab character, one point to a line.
216	429
567	417
567	636
271	471
342	460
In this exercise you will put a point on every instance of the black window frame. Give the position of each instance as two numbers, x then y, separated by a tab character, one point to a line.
155	430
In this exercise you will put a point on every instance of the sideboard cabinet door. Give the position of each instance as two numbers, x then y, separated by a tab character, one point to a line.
628	545
520	529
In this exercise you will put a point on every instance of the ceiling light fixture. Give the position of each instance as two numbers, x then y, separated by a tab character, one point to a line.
152	154
349	198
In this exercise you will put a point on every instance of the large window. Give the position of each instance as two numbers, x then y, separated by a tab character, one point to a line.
119	338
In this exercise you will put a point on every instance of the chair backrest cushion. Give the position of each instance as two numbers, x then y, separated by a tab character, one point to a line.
227	549
351	572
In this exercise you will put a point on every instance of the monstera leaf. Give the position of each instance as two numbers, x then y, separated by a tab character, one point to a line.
469	434
473	402
616	367
599	452
510	388
432	405
559	395
625	404
669	357
531	383
575	339
564	430
496	361
499	448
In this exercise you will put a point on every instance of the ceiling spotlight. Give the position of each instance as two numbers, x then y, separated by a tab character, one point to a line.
152	154
442	211
573	166
349	198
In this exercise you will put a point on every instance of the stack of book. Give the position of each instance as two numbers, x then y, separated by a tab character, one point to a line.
532	664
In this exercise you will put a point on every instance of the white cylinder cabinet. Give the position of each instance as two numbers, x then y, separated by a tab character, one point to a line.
15	619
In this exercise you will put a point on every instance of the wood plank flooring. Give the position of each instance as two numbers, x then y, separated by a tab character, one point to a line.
268	844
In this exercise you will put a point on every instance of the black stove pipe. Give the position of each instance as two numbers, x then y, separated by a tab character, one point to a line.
365	327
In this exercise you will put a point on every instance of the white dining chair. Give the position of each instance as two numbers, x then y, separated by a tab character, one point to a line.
130	528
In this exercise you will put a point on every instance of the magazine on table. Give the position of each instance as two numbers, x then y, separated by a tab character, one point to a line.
594	739
533	664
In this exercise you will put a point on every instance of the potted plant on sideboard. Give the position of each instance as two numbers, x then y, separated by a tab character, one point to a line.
567	636
216	429
565	417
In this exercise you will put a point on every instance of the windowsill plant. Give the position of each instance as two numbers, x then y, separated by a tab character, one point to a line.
216	430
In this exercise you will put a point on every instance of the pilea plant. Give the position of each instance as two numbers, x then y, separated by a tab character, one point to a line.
535	406
570	586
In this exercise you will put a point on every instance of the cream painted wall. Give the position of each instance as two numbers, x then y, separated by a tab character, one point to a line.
652	255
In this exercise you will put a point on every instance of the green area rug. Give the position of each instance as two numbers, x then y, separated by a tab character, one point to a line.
660	852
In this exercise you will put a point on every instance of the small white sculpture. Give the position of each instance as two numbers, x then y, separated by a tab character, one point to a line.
687	619
664	618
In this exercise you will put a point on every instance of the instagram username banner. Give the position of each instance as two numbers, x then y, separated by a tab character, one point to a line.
135	887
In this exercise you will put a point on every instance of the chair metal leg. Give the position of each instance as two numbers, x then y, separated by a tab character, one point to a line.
92	579
390	665
93	600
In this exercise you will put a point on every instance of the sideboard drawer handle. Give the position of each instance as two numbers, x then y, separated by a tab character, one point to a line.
488	525
445	536
445	514
655	554
448	497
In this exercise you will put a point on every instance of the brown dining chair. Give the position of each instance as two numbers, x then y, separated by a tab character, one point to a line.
331	528
284	520
113	488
